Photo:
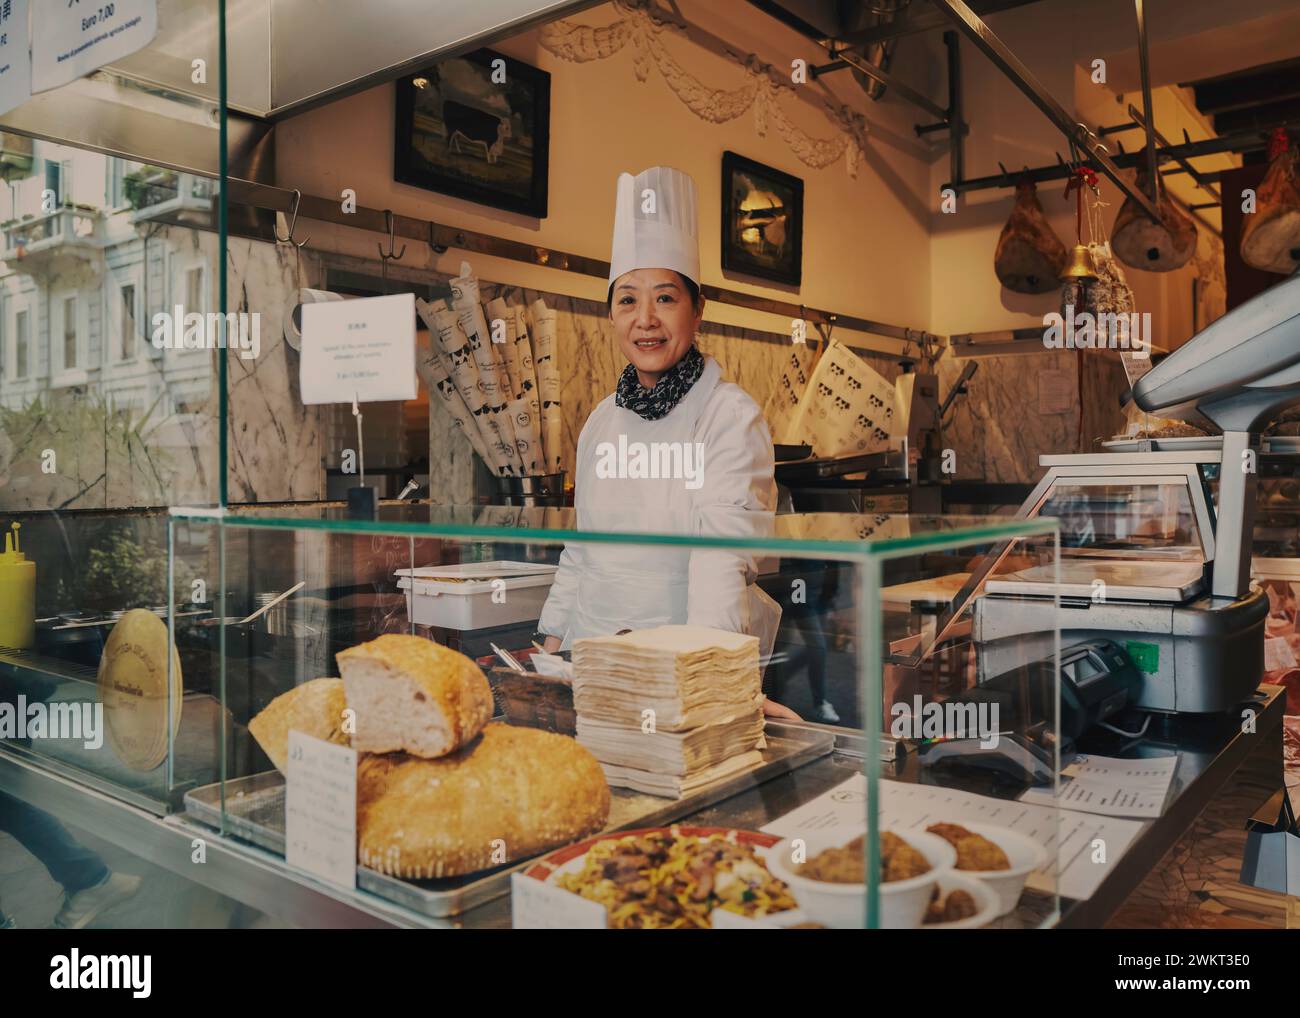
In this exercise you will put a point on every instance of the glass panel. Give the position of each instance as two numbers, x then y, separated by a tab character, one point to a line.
99	430
846	646
1140	520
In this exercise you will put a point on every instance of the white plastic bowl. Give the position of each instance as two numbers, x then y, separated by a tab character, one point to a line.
1023	852
986	901
844	906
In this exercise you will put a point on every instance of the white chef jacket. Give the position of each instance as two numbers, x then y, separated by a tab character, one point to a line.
600	589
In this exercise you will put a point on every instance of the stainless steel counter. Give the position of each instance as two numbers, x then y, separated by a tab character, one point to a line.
1210	751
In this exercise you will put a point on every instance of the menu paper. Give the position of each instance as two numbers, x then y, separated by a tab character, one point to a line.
1057	392
536	905
15	58
320	809
361	349
71	40
1114	787
1072	835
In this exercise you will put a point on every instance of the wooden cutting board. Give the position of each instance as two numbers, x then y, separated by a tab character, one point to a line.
939	588
133	688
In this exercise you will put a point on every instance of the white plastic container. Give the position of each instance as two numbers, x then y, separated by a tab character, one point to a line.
476	595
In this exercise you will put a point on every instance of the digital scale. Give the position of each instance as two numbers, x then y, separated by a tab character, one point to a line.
1148	560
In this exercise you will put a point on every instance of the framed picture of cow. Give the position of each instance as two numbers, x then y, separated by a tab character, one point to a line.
476	127
762	221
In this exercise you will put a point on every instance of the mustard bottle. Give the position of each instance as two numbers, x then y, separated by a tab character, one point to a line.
17	596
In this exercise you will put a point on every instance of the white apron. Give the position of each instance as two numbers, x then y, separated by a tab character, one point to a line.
602	588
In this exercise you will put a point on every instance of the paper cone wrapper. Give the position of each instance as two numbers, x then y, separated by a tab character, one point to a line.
443	389
548	383
465	376
499	311
528	435
524	347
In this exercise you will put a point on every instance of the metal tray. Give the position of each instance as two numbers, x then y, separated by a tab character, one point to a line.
255	813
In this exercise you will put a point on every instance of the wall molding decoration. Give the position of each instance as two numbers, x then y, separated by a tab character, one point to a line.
642	29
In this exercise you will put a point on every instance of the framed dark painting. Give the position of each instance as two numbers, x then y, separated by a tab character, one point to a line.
762	220
476	127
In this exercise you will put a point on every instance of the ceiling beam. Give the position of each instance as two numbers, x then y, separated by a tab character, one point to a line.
1258	118
1247	87
922	19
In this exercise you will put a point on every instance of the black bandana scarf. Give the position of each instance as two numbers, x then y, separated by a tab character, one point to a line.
673	384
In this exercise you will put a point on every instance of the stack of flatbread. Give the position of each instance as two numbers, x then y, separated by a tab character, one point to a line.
669	710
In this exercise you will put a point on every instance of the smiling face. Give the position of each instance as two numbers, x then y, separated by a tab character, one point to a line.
654	320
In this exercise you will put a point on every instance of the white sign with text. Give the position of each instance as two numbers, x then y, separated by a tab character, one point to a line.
15	58
361	349
320	809
71	39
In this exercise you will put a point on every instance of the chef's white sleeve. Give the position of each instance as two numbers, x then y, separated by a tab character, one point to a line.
562	601
557	612
736	498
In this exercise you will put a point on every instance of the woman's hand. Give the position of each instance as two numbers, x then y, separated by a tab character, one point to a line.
552	644
772	709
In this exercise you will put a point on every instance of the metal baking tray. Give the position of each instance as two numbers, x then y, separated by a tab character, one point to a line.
255	813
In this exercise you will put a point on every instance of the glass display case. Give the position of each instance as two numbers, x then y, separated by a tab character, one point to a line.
658	731
111	374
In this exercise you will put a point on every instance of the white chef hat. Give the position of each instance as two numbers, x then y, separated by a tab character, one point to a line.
655	224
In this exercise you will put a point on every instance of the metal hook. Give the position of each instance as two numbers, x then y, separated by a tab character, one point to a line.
1006	177
293	223
825	329
388	226
436	248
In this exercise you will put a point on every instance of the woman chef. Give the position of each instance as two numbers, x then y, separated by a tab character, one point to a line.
672	406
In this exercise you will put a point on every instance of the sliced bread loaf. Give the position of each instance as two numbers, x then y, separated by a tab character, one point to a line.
413	695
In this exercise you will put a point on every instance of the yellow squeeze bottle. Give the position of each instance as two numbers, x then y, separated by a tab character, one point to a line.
17	596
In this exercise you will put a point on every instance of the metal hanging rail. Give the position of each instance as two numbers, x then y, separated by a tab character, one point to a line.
843	55
1148	124
1202	181
1243	141
440	237
1077	134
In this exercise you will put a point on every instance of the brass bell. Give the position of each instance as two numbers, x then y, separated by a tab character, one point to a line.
1080	265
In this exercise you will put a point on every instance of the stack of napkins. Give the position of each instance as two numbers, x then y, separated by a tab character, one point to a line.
671	709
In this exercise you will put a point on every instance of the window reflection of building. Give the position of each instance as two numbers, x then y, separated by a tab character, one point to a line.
91	249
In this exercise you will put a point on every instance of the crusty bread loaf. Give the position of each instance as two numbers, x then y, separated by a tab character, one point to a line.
413	695
315	707
511	794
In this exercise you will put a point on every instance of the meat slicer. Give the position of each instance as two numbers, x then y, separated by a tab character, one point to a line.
1148	558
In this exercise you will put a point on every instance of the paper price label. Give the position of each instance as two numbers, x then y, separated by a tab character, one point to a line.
71	40
15	59
540	906
320	809
362	349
